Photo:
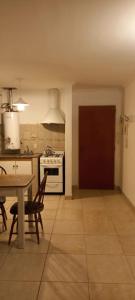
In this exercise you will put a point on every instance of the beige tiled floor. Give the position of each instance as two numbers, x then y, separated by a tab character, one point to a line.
87	251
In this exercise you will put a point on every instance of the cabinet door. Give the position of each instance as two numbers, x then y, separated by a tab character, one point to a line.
23	167
9	166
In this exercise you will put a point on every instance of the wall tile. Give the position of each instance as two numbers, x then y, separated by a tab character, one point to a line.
38	136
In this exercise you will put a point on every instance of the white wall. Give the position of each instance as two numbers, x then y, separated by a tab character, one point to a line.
66	105
128	182
39	104
100	96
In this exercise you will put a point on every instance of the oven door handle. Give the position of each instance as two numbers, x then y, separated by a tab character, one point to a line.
52	185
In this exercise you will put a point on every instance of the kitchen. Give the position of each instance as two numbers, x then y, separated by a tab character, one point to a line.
85	49
36	135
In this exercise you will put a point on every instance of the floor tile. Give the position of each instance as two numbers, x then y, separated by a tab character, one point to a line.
109	269
68	227
61	243
116	200
52	198
131	261
122	214
128	244
63	291
3	257
72	204
2	229
97	222
93	203
102	245
31	245
124	227
49	214
113	292
4	247
65	267
23	267
51	203
18	290
48	226
84	193
69	214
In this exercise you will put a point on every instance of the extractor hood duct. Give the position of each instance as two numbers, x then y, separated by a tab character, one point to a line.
54	115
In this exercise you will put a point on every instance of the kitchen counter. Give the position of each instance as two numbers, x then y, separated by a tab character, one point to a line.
19	155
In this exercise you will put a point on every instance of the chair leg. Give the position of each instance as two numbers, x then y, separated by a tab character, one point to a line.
40	220
12	227
17	225
37	231
5	212
3	216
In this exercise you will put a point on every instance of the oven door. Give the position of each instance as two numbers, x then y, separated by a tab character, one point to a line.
55	173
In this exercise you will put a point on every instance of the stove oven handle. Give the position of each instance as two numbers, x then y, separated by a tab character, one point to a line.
52	185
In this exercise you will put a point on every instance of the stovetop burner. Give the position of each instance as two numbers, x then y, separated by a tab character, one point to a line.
55	154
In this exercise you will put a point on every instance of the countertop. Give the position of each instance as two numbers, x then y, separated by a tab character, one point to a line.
19	155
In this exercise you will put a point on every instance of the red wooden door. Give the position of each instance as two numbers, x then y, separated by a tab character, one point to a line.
96	147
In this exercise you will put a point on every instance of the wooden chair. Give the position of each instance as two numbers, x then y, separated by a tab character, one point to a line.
2	201
33	208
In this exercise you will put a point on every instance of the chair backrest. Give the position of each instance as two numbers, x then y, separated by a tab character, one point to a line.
40	194
2	171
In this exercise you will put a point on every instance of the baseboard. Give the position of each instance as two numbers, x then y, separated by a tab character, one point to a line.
68	197
129	202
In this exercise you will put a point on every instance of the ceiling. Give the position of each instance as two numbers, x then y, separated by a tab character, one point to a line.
51	43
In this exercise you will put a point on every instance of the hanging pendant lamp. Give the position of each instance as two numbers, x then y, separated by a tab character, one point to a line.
20	103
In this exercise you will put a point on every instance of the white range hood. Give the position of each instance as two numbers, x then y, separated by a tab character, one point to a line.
54	115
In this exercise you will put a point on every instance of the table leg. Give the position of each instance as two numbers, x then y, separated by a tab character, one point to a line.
30	217
20	195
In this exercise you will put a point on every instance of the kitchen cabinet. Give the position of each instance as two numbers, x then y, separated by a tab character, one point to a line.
17	167
25	166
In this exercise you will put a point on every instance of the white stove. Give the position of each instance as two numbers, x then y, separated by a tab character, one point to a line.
54	164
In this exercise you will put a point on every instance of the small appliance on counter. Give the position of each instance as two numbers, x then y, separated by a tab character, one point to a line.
53	162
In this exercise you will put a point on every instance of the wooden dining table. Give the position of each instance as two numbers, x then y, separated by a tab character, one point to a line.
17	185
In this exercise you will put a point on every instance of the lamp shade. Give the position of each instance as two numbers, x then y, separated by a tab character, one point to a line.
20	104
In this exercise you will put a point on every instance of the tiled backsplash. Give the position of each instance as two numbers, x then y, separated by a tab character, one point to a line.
38	136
